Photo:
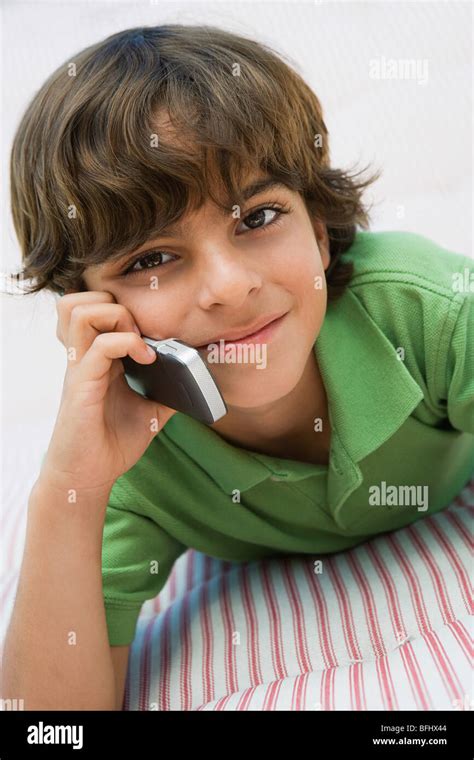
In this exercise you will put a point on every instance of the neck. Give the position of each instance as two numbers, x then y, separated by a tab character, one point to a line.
284	427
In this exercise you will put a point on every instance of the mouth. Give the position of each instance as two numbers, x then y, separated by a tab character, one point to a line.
261	335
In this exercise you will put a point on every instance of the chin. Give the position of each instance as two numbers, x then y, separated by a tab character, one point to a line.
257	394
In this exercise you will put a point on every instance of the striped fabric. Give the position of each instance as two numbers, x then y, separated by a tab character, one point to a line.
384	626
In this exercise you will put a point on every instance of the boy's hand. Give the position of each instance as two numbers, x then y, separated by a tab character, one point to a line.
103	427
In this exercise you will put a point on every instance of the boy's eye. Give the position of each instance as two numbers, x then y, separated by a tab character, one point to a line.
255	220
149	260
258	218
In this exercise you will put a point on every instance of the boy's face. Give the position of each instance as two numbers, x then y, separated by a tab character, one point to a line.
222	273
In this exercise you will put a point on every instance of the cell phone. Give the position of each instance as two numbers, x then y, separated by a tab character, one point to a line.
178	378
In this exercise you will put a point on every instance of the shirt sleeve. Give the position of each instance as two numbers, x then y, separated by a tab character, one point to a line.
137	558
459	380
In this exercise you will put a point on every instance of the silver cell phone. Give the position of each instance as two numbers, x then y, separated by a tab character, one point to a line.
178	378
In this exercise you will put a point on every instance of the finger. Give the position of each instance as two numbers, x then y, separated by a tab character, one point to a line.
66	304
89	320
105	348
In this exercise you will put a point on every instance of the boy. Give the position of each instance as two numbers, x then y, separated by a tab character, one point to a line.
203	158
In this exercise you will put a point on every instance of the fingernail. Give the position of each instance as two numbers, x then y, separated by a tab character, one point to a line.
151	351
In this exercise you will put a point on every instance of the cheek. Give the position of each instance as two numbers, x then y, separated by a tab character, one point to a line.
157	315
304	276
308	285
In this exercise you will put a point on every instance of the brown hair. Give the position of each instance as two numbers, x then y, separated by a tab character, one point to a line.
93	178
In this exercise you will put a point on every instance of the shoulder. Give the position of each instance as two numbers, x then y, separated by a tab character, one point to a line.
406	279
406	258
419	293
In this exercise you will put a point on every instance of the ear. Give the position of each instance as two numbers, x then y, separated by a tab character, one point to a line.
321	233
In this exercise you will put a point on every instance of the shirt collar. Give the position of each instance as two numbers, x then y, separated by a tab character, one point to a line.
370	394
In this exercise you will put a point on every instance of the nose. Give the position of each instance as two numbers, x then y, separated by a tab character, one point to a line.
226	277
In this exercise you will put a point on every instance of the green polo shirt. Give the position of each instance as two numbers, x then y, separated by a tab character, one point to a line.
396	353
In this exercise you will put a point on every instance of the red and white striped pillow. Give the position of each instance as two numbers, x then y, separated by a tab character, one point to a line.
385	626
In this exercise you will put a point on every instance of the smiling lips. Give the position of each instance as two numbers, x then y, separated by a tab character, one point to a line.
259	331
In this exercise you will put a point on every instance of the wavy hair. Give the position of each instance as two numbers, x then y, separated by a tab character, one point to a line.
94	176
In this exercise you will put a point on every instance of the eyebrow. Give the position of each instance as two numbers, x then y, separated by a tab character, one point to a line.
261	185
179	228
